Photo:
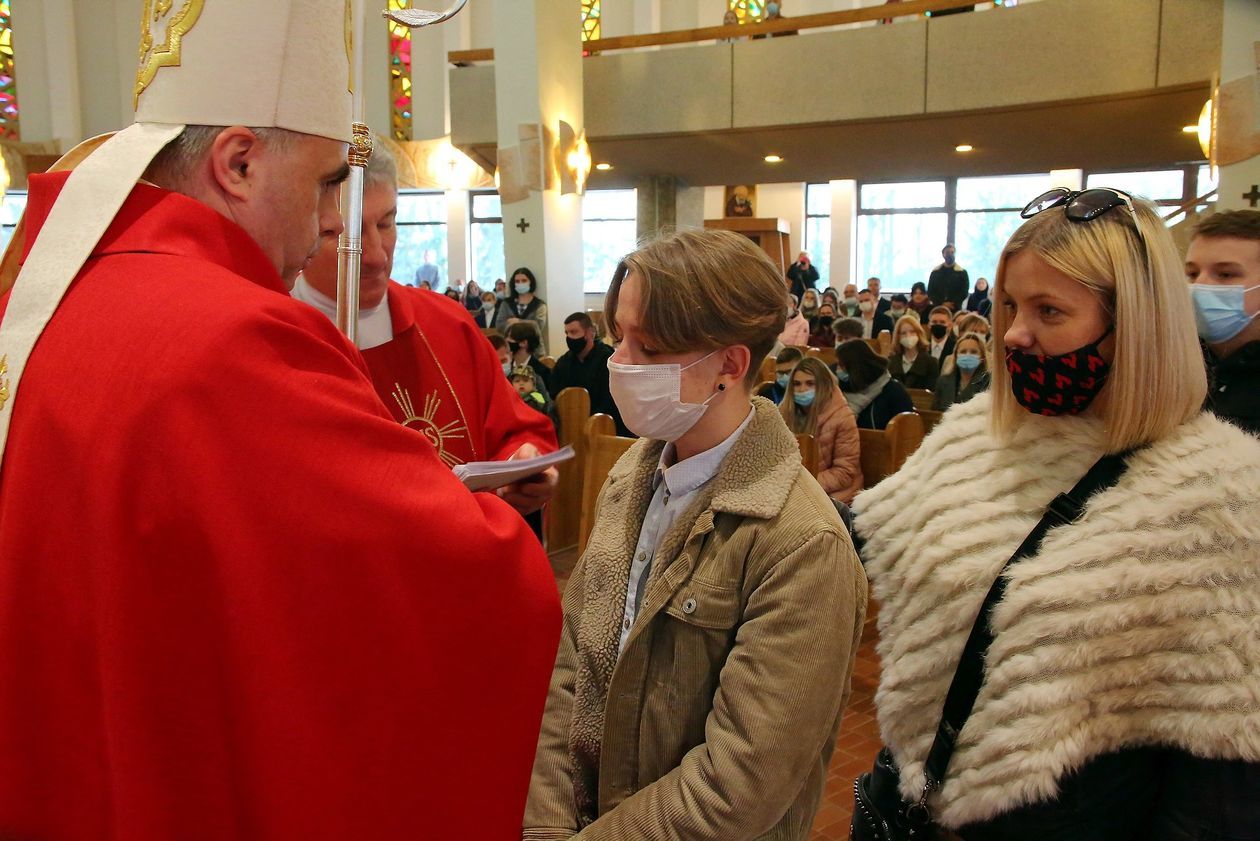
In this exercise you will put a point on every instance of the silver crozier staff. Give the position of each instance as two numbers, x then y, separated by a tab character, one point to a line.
350	246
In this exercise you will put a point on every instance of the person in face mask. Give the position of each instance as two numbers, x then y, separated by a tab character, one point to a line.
850	301
585	365
1128	618
910	363
898	305
978	296
941	334
485	312
796	328
784	364
817	407
964	374
809	303
948	283
523	304
714	544
1223	266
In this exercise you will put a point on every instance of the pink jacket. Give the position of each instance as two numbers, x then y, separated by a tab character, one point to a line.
839	456
795	332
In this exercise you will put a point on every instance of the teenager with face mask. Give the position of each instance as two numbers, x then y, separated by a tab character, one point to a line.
964	374
809	303
1223	267
815	406
711	624
796	328
1117	694
910	363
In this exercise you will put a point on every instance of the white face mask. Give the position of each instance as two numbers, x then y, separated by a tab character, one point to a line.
650	399
908	341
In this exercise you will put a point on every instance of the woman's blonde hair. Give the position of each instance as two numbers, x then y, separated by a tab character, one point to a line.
806	420
704	290
911	321
951	362
968	321
1157	379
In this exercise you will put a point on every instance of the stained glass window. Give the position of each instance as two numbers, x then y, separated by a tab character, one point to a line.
748	11
8	83
399	74
590	20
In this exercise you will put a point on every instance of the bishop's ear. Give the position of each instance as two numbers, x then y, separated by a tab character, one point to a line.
234	158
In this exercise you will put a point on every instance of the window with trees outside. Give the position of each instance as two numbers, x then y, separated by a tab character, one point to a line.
486	229
818	230
10	212
609	232
421	226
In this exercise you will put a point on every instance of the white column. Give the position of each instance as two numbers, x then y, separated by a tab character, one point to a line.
843	233
1071	179
1240	30
538	80
458	264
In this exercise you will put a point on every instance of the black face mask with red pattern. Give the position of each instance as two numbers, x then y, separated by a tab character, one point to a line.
1058	385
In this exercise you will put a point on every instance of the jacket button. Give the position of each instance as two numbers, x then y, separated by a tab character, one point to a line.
689	606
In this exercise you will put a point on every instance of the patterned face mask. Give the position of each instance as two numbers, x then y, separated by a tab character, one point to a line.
1058	385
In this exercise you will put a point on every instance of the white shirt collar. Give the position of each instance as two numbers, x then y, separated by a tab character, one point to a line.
376	327
693	473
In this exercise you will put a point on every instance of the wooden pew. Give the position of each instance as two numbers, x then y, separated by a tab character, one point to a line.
549	361
884	451
921	397
603	449
573	407
809	452
930	419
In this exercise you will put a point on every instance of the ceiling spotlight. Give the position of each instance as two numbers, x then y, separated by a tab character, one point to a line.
965	147
774	159
603	167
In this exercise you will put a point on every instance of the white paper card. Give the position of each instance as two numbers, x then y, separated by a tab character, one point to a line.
483	475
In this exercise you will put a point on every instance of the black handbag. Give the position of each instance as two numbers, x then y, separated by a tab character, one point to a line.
879	812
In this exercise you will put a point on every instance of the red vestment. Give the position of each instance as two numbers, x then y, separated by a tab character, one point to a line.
439	375
237	599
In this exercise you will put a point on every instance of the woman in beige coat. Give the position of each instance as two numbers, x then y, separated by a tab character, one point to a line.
817	407
711	625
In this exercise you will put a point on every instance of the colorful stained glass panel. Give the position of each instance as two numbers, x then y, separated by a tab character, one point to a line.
399	75
9	129
590	20
748	11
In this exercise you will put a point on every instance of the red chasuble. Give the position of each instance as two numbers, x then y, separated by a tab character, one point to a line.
440	376
238	600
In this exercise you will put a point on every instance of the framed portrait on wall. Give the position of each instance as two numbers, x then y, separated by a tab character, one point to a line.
741	200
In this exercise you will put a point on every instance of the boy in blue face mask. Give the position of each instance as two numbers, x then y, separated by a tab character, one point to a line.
1223	267
783	365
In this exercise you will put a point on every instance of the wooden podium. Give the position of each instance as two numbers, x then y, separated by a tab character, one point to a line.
771	235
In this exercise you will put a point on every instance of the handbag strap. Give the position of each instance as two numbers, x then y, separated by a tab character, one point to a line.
1064	509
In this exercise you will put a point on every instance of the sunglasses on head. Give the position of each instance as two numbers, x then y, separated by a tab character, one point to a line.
1080	205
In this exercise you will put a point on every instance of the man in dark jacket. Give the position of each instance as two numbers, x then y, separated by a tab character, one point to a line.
585	365
948	284
1224	256
802	275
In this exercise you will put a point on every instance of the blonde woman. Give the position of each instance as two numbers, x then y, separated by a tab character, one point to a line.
1119	696
964	374
910	363
710	626
970	322
818	408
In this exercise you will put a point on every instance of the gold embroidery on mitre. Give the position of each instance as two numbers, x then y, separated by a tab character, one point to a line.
427	424
167	54
4	381
350	43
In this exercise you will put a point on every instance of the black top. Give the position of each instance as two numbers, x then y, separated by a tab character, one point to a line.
592	375
948	283
922	373
892	401
802	278
1234	386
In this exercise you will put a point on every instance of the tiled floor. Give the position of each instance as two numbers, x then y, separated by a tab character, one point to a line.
859	734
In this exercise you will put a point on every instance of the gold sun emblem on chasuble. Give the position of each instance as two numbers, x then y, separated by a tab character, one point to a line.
4	381
159	14
427	423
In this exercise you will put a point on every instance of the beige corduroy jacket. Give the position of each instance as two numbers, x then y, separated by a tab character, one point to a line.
719	718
